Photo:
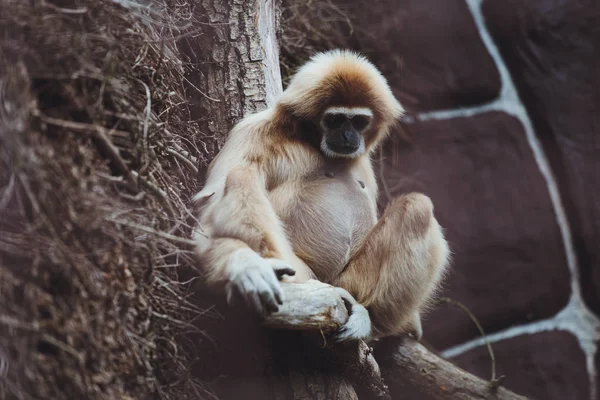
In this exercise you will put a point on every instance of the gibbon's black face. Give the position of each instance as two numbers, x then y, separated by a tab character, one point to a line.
343	129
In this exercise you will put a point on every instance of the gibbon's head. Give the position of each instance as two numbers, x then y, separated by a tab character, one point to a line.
342	104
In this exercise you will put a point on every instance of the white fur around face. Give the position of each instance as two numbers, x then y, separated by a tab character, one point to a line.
350	111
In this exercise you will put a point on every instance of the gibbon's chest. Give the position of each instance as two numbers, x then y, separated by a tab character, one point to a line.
327	214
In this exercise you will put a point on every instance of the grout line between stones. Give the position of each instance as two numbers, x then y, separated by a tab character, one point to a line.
575	318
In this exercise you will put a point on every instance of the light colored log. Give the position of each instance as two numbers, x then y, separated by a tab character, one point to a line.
310	306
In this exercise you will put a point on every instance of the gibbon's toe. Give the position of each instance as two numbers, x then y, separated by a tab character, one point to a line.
358	325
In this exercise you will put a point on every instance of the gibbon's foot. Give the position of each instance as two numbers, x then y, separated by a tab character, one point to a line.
415	329
358	325
256	279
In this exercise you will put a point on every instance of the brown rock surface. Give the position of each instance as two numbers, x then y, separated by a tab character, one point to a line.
430	51
544	366
509	265
422	46
551	49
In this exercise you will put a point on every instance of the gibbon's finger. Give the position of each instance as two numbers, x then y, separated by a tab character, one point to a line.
278	296
260	292
255	302
268	301
229	290
248	289
281	268
340	336
280	272
358	325
271	293
276	289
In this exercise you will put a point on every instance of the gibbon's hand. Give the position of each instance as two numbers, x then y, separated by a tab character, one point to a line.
358	325
256	279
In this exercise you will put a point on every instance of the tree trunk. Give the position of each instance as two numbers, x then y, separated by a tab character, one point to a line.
236	70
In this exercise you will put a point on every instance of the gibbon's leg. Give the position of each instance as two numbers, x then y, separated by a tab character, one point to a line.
399	265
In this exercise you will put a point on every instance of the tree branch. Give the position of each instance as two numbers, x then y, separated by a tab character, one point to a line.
411	368
317	308
408	366
310	306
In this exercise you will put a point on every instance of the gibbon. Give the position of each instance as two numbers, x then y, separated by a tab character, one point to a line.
292	194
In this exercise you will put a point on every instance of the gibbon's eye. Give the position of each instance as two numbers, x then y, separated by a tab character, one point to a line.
360	122
334	121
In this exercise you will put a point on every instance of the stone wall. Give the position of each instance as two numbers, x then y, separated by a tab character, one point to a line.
503	133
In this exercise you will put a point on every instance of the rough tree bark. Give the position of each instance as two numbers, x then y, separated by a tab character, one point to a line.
414	372
287	356
233	56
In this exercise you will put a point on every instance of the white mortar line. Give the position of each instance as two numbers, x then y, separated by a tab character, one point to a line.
572	319
462	112
591	367
575	318
511	103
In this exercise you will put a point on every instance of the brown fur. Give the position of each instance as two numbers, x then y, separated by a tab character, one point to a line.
272	190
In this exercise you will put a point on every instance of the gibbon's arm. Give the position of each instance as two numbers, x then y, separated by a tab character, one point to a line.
240	240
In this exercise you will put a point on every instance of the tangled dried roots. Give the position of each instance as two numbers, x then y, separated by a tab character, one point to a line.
308	27
96	169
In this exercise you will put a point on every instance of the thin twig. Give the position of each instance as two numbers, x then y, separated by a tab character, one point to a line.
494	383
183	159
161	234
14	323
157	191
99	133
80	127
63	346
82	10
8	192
200	91
147	112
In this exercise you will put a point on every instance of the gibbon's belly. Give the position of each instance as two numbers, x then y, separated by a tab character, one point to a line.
326	219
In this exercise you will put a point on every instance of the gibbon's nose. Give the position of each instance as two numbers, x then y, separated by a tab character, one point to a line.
347	135
347	132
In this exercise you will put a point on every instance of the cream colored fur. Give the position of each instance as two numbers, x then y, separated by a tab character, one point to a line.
275	200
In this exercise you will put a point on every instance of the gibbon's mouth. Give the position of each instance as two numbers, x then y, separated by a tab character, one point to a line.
345	151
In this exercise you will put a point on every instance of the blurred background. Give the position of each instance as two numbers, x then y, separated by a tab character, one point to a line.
503	132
